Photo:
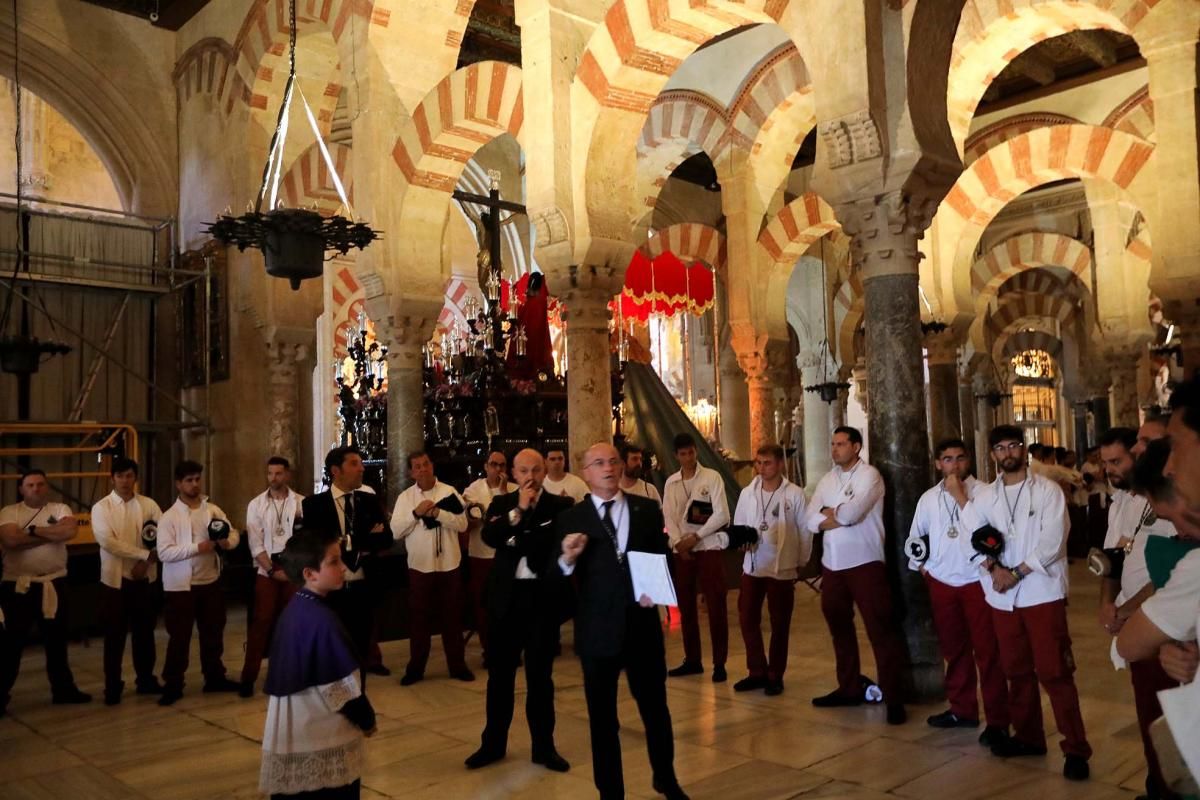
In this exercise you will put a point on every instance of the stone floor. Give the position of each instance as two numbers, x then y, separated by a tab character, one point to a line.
728	746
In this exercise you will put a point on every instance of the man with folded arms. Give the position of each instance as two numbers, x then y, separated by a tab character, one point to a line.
479	495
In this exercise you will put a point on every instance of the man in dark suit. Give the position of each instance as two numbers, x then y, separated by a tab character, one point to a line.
358	517
613	630
522	616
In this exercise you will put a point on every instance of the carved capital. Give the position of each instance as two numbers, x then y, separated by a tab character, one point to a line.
884	232
942	348
751	349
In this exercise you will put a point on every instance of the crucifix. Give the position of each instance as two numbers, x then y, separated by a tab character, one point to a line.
487	231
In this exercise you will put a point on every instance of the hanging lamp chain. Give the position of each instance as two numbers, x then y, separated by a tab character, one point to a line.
284	106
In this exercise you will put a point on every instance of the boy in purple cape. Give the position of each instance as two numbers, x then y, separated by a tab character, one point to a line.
317	715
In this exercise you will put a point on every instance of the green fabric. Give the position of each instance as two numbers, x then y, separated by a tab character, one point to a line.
1162	554
654	420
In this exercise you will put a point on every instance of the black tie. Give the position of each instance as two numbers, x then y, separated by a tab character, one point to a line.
607	521
348	510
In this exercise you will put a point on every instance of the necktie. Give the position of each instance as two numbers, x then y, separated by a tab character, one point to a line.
607	521
348	511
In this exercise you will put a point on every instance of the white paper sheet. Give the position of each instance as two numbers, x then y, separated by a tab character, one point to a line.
652	578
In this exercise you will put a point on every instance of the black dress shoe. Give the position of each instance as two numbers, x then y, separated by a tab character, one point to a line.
70	697
1015	748
686	668
246	690
719	675
836	699
671	791
112	694
465	675
150	687
218	685
552	761
482	757
992	734
170	697
948	719
774	688
410	678
749	684
379	669
1075	768
896	715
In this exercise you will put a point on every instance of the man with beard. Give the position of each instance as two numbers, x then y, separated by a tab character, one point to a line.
961	615
1131	520
522	615
633	480
1027	589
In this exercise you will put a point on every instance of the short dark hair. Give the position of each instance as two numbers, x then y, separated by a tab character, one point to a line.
683	441
1156	418
948	444
556	449
122	464
25	473
628	447
1126	437
337	456
854	434
1004	433
305	550
1060	453
1147	477
772	450
187	468
414	455
1185	398
279	461
1035	449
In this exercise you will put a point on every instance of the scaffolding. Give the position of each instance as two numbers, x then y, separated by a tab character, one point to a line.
79	256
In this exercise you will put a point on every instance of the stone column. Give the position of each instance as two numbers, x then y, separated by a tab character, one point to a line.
735	406
589	372
985	420
1079	411
942	355
405	412
751	349
283	360
1123	364
967	422
884	233
818	422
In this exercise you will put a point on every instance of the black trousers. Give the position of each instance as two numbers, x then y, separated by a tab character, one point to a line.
202	607
21	611
130	611
523	629
355	606
645	665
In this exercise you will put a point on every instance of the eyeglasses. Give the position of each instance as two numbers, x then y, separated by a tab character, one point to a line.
1007	447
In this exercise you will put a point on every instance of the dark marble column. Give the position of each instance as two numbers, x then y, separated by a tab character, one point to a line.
967	423
942	355
1101	414
405	413
884	236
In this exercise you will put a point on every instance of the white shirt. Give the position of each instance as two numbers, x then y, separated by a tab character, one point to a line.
429	549
856	496
705	486
339	506
1125	520
620	519
45	559
786	543
1034	522
571	486
270	522
937	513
117	526
181	529
482	495
643	488
1174	608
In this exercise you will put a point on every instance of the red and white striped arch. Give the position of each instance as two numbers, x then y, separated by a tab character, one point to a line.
985	139
308	182
1134	115
1014	310
206	69
680	124
1033	281
1010	344
796	226
991	33
347	297
1016	166
779	78
848	307
454	311
468	109
1027	251
691	242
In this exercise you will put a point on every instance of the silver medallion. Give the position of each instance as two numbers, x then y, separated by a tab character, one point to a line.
762	526
953	532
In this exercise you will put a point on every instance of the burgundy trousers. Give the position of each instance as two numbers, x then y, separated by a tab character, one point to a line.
703	573
479	569
1148	680
865	586
780	596
204	607
430	595
271	596
1035	646
963	621
130	611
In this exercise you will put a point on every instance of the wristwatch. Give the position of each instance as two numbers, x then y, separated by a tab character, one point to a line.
33	530
1016	573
